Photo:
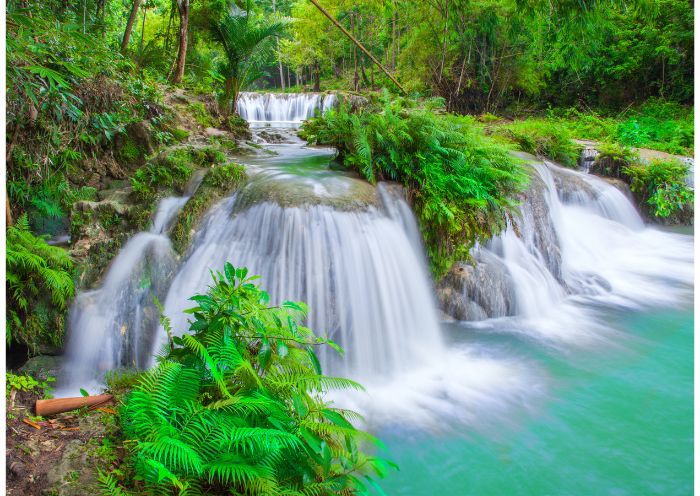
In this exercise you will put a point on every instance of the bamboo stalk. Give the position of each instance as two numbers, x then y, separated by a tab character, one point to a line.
359	45
61	405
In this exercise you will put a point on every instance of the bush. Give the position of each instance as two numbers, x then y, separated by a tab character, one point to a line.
39	286
237	406
612	160
659	125
171	170
543	137
462	183
662	186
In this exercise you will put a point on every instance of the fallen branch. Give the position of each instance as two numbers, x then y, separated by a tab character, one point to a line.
61	405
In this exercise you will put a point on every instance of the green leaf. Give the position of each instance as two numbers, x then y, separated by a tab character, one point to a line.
314	361
264	353
230	272
83	392
282	349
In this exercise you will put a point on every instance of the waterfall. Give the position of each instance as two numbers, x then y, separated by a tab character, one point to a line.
113	326
360	272
577	239
282	107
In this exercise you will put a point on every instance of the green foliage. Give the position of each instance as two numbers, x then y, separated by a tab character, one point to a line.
656	124
225	176
661	184
612	160
39	286
462	183
544	138
248	42
27	383
237	406
68	98
179	134
201	114
172	169
130	152
659	125
238	126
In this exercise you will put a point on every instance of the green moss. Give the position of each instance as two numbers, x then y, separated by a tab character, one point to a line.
201	114
180	134
130	151
218	181
224	143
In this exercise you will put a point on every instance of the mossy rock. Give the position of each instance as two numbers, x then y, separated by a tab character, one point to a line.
238	126
219	181
201	115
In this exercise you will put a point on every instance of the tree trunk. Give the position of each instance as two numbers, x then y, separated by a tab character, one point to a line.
130	24
143	28
183	6
317	77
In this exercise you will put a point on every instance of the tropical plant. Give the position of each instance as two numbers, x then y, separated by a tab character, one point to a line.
39	286
248	42
462	184
238	406
662	186
542	137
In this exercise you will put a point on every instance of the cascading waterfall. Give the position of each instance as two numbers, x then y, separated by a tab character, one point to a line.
578	239
282	107
112	326
354	254
374	301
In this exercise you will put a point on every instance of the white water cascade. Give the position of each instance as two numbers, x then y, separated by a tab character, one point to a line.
359	272
354	254
578	243
112	326
282	107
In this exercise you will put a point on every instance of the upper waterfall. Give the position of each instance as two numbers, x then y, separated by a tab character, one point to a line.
282	107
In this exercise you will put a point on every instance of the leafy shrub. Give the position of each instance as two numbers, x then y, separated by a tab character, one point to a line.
612	159
39	286
660	125
238	126
662	186
173	169
462	183
237	406
225	176
544	138
27	383
201	114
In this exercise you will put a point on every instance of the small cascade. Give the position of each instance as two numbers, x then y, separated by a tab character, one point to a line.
282	107
112	326
578	238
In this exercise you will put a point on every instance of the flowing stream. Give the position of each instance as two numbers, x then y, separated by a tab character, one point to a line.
568	369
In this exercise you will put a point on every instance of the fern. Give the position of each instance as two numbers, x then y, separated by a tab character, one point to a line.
463	185
40	284
238	404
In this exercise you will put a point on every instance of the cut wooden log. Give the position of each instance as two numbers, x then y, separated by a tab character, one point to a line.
61	405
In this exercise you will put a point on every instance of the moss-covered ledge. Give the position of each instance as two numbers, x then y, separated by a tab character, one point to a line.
220	180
